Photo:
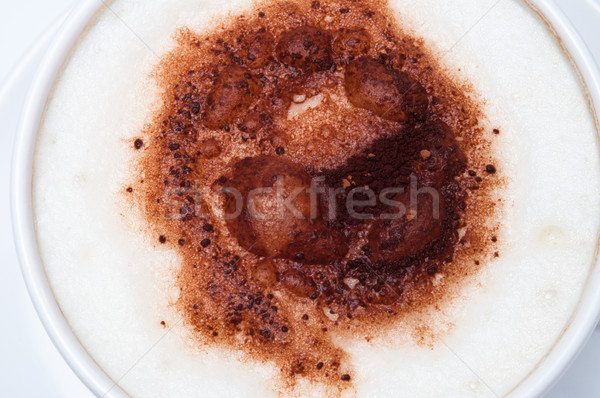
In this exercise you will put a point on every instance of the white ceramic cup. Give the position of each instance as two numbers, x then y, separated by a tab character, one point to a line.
541	379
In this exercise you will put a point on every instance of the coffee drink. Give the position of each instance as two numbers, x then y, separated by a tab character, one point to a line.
317	198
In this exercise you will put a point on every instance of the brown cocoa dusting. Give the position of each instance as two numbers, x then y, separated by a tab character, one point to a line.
388	116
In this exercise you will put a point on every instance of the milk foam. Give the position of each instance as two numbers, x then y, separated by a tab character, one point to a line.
110	278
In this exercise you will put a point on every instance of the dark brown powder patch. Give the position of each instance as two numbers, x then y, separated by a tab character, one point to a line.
227	94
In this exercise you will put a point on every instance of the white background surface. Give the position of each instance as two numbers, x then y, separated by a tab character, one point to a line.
30	366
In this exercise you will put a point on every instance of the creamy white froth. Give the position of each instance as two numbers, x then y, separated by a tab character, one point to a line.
109	276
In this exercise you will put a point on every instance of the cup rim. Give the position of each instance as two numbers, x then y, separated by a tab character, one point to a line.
539	381
38	286
584	319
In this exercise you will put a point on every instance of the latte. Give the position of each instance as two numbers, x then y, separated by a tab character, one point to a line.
138	247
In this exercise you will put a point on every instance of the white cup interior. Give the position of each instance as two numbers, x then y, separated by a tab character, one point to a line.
549	370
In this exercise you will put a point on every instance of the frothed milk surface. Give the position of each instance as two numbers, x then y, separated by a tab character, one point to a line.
112	280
